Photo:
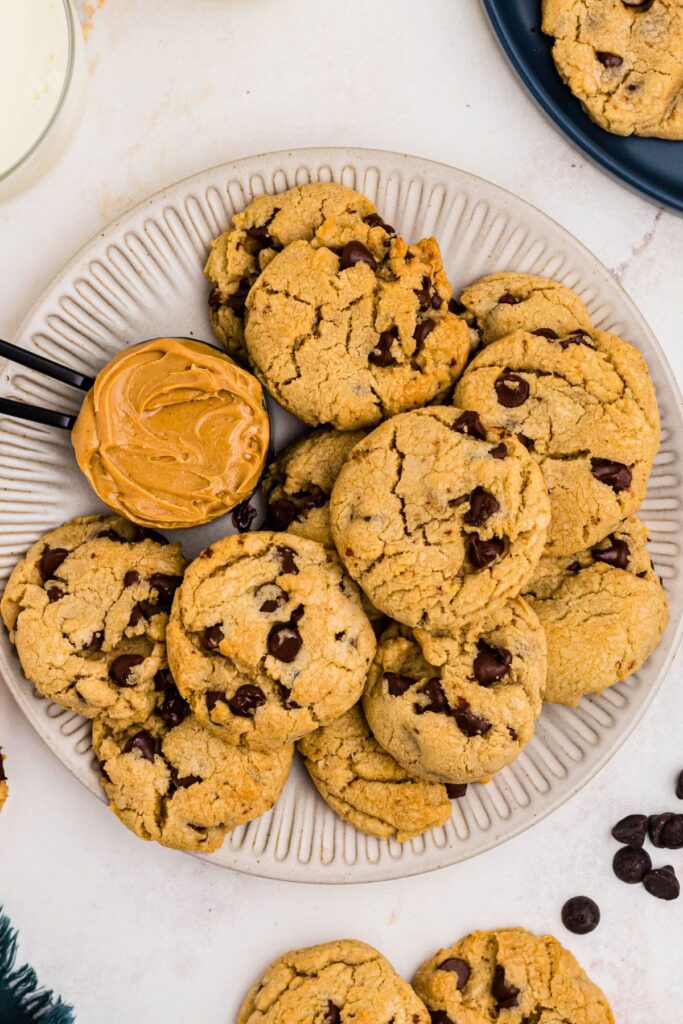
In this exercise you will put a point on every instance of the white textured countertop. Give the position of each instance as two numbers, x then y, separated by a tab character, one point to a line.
131	932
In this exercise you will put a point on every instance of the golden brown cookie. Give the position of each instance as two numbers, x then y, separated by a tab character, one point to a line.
4	788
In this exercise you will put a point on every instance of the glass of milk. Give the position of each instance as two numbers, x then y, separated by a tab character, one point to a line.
42	82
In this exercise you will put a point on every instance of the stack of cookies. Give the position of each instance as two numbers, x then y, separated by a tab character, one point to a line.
454	542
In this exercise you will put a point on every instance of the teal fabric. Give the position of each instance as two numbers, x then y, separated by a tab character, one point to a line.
21	1000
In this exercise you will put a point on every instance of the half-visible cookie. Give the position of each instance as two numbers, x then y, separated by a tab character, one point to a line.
585	406
364	785
4	788
268	639
603	611
87	609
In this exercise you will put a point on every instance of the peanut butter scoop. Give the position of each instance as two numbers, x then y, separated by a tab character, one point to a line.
172	433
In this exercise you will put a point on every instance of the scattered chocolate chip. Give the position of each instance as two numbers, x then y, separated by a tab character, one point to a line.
287	562
672	833
491	663
120	668
397	684
54	594
638	5
508	299
96	641
615	474
112	535
528	442
439	1017
511	390
424	294
284	642
3	777
616	554
145	533
211	638
437	698
455	306
381	354
137	614
574	567
333	1014
456	790
215	299
483	552
460	968
422	331
505	994
281	513
314	497
243	515
655	828
545	332
131	577
580	915
469	723
512	733
679	786
246	700
165	586
609	60
163	680
631	864
469	423
631	830
285	693
213	697
185	782
298	614
274	597
662	883
173	709
437	301
261	236
374	220
499	452
356	252
144	742
237	300
482	506
50	561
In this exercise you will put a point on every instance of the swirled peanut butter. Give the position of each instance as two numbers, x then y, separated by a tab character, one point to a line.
172	433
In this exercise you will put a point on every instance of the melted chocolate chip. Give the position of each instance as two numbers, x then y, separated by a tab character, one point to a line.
528	442
185	782
437	698
491	663
284	642
131	577
211	638
638	5
469	423
213	697
545	332
655	828
238	299
354	253
332	1014
580	915
483	552
456	790
243	515
137	614
374	220
54	594
397	684
274	597
112	535
511	390
381	354
96	641
215	299
287	562
246	700
615	474
424	294
298	614
50	561
261	236
422	331
281	513
505	994
439	1017
314	497
121	667
609	60
631	864
482	506
285	693
508	299
460	968
662	883
631	830
468	722
163	680
615	555
455	306
165	586
144	742
173	709
145	533
499	452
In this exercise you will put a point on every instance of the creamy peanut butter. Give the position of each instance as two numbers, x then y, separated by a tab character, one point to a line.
172	433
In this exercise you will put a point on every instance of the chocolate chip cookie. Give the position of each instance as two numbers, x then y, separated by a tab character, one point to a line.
87	609
4	788
585	407
268	639
502	303
262	229
623	60
364	785
298	484
603	610
171	780
354	327
335	983
439	516
457	709
510	975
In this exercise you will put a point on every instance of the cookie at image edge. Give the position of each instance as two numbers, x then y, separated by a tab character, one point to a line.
4	788
335	981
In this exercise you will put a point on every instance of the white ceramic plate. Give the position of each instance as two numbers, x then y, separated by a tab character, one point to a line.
142	277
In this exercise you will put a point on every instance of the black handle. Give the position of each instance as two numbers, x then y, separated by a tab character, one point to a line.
34	414
46	366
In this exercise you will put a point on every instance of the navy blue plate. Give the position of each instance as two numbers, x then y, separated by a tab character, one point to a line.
653	167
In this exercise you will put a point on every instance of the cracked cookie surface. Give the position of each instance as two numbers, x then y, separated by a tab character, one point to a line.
585	406
603	611
262	229
87	609
366	786
338	982
171	780
623	61
438	517
455	710
268	639
499	304
511	975
355	327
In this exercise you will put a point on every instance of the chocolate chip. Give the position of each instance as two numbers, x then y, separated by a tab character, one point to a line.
237	300
482	506
609	60
512	733
679	786
491	663
96	641
631	864
356	252
173	709
499	452
437	698
281	513
112	535
439	1017
374	220
215	299
483	552
212	698
615	474
574	567
511	390
455	306
145	533
284	642
185	782
505	994
580	915
528	442
144	742
50	561
508	299
211	638
469	423
314	497
274	597
131	577
120	668
631	830
332	1014
166	586
655	828
246	700
397	684
137	615
437	301
287	562
298	614
456	790
261	236
422	331
662	883
3	777
546	332
638	5
54	594
243	515
424	294
672	833
460	968
616	554
163	680
469	723
381	353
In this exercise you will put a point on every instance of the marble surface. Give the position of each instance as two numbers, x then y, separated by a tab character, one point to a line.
128	931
